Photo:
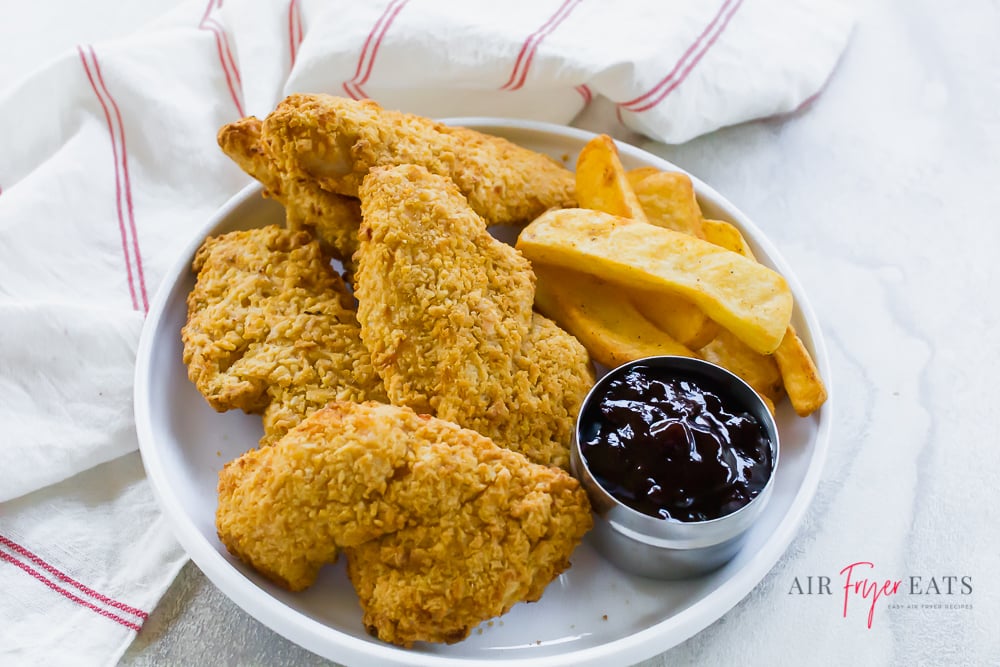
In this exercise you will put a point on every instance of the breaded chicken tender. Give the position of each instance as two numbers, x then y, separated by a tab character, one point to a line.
272	328
337	141
444	307
552	375
442	528
446	311
333	218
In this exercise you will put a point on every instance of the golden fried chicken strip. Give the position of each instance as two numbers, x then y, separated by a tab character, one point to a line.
443	529
312	355
240	140
333	218
271	327
338	141
552	375
444	306
445	310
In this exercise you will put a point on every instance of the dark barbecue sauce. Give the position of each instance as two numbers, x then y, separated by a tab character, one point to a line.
674	448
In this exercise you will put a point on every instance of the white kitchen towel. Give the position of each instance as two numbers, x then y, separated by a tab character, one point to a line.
108	165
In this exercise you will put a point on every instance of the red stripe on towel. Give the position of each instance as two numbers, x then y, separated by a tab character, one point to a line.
805	103
695	61
140	615
65	593
364	54
128	184
586	93
687	61
118	181
217	28
353	87
222	46
65	578
528	43
530	46
294	28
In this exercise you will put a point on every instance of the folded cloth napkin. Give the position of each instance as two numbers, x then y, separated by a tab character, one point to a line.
109	166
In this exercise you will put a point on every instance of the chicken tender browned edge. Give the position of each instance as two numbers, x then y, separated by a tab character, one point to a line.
337	141
333	218
442	528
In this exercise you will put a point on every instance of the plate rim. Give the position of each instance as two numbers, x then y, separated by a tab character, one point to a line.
323	639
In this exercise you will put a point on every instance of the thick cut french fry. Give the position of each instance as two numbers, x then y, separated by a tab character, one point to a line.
724	234
804	386
669	201
743	296
601	183
679	318
609	326
760	371
639	173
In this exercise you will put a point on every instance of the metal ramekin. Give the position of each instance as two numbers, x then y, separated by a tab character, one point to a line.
670	549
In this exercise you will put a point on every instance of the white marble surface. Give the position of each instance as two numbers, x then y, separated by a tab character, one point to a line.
882	195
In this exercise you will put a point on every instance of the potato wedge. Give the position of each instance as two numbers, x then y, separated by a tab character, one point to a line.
725	234
743	296
760	371
601	183
804	386
669	201
676	316
609	326
639	173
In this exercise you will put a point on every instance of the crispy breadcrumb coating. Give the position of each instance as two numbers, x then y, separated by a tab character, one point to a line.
444	307
337	141
446	311
271	327
444	523
442	528
552	375
333	218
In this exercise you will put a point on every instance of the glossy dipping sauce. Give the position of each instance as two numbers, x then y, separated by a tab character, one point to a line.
674	447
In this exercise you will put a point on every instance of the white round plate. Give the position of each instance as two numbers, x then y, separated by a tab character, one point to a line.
592	614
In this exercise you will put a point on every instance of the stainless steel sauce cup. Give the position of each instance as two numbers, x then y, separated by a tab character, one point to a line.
666	548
